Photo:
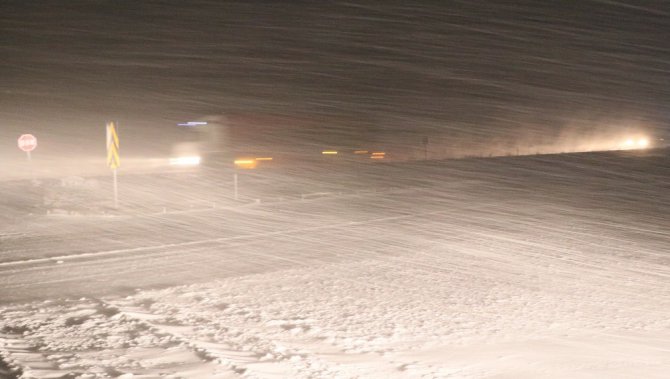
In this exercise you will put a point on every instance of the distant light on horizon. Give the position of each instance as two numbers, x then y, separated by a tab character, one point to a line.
635	143
378	155
329	152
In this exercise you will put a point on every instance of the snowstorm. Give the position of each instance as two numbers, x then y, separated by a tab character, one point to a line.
342	189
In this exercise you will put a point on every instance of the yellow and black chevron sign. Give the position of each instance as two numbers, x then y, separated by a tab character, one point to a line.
112	146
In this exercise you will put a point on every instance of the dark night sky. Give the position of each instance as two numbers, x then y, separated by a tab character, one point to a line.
466	71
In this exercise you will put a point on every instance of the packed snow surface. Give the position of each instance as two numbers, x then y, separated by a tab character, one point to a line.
520	267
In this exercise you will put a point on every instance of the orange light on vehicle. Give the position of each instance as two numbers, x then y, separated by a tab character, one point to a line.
329	152
264	159
361	152
245	163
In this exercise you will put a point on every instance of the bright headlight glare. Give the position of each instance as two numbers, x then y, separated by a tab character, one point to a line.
185	161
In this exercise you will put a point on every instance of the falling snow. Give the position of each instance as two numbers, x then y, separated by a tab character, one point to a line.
466	190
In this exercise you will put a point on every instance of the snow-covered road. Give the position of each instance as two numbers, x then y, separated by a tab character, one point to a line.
542	274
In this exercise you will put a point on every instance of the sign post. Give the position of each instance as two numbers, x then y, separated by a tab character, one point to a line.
27	143
113	157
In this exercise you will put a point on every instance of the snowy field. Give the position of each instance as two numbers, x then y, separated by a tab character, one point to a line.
518	267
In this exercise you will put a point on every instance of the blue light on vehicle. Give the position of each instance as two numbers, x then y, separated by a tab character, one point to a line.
192	123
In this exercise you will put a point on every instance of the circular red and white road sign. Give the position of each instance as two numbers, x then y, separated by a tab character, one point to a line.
27	142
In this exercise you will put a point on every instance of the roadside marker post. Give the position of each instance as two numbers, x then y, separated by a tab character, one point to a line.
235	184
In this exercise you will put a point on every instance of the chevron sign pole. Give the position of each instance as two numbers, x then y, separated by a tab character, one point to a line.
113	157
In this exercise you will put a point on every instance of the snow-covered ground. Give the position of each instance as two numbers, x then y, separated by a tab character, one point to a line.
552	267
535	266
